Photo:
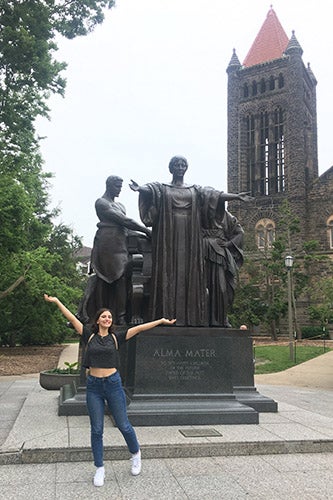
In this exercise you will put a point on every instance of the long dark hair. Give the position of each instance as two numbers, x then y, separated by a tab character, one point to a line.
97	315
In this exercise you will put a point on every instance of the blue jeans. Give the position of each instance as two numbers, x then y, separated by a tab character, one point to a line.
108	389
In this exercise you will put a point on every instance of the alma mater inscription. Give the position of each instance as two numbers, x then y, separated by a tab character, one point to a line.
189	353
168	363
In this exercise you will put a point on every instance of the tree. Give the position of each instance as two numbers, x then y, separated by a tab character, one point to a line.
264	297
28	71
265	288
322	297
249	306
35	255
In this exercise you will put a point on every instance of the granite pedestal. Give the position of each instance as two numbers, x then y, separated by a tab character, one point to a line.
185	376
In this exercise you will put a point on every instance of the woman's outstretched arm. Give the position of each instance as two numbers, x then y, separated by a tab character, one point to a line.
148	326
78	326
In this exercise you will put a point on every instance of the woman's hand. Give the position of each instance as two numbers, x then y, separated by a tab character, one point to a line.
49	298
78	326
165	321
131	332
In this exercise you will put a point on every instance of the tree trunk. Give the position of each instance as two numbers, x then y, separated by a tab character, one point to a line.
273	330
12	287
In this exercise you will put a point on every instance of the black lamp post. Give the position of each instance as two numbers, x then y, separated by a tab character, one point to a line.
288	261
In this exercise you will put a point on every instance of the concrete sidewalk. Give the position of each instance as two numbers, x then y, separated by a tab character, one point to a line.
288	453
30	427
260	477
315	373
69	354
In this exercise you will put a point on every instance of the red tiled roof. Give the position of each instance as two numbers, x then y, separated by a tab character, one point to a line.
270	43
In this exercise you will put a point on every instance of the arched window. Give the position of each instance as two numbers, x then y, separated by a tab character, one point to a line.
271	83
254	88
270	234
260	236
262	85
330	231
278	169
281	81
265	234
246	90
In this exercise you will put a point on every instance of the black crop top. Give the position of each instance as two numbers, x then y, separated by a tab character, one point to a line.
101	352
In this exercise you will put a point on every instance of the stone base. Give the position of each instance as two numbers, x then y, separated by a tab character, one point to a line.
72	400
182	409
251	397
185	376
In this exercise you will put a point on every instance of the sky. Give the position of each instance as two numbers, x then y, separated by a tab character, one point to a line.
151	83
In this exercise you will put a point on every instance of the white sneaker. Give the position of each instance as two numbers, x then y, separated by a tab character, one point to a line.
99	476
136	464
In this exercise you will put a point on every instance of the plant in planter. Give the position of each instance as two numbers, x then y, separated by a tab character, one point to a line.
57	377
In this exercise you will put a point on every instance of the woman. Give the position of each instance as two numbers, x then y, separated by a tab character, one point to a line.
104	382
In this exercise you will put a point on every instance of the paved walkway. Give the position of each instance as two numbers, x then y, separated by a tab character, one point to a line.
316	373
288	454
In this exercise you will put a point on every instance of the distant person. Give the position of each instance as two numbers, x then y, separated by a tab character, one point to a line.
243	327
110	286
104	382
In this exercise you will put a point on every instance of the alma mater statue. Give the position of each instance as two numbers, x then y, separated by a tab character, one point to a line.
109	286
196	248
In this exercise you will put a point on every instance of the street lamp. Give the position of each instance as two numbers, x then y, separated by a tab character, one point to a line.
288	261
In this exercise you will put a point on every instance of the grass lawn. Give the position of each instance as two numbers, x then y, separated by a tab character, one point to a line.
271	359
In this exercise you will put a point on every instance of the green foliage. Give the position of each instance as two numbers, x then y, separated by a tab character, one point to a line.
72	369
36	256
271	359
28	71
33	321
78	17
248	307
261	297
28	74
289	222
322	296
313	332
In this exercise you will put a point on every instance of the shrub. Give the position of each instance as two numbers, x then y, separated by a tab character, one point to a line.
309	332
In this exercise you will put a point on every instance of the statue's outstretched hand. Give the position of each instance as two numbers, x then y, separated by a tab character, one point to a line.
134	186
245	196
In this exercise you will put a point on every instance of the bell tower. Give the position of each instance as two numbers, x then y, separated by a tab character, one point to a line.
272	128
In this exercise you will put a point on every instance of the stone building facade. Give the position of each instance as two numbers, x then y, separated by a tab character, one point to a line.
272	142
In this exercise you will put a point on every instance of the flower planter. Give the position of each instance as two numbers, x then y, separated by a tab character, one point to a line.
53	381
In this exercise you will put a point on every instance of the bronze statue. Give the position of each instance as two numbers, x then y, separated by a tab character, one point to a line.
223	242
178	214
110	285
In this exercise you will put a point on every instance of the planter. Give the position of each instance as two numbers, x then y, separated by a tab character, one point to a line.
53	381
